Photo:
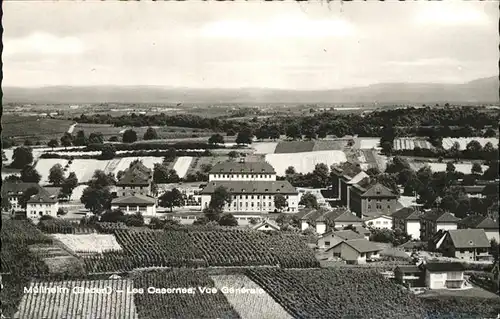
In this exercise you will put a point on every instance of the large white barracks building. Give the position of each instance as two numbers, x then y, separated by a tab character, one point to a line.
252	186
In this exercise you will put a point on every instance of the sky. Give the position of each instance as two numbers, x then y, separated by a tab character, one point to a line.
286	45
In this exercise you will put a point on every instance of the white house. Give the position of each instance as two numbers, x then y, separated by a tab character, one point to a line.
40	205
444	275
408	220
13	191
252	185
355	251
379	222
132	204
332	238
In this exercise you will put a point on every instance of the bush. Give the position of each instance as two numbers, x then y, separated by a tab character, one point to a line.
61	212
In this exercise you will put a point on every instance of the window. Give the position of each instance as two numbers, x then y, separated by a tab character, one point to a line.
252	204
369	206
246	196
246	204
252	197
327	243
234	205
377	222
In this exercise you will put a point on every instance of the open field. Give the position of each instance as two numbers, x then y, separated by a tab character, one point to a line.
68	300
409	143
33	127
330	145
197	162
44	165
463	141
89	243
182	165
304	162
250	306
264	147
368	143
294	147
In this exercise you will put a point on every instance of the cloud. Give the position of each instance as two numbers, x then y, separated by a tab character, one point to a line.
447	14
282	27
43	43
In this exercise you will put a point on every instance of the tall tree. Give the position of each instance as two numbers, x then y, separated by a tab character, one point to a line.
80	139
216	139
293	131
53	143
108	152
474	147
96	199
397	164
101	179
69	184
280	202
172	198
96	138
26	195
309	200
244	136
129	136
450	168
150	134
321	175
30	175
66	139
476	169
290	170
56	175
220	197
21	157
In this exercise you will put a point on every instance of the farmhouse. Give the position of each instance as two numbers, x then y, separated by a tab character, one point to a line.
379	221
355	251
252	185
444	275
41	204
435	220
325	219
408	220
467	244
132	204
489	226
332	238
13	191
136	180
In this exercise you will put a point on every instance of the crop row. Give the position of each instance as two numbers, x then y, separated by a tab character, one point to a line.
180	305
202	248
22	231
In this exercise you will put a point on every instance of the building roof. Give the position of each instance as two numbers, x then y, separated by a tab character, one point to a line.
338	215
413	245
133	177
347	234
361	230
252	187
377	216
360	176
440	216
243	167
378	190
360	245
17	187
407	213
269	223
42	197
137	199
469	238
478	221
52	190
347	169
408	269
139	166
444	266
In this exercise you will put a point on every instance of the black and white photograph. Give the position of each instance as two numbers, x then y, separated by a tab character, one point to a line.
250	159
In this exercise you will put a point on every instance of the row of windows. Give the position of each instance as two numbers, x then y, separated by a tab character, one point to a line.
379	206
255	196
242	176
253	204
40	205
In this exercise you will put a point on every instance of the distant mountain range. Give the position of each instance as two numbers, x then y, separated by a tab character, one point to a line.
485	90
